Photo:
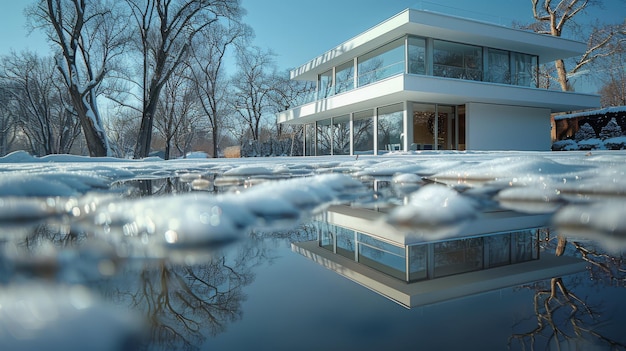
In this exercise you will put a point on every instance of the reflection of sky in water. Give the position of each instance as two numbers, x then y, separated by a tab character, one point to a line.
296	304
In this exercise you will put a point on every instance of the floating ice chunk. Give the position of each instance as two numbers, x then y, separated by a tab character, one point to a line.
504	168
530	199
433	207
604	222
248	171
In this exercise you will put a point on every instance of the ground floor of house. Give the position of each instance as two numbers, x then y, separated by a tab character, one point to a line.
413	126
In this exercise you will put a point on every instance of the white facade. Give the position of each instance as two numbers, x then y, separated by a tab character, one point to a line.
382	90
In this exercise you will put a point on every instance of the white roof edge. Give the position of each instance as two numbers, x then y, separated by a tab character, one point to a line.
426	23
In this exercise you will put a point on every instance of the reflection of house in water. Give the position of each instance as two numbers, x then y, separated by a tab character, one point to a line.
498	250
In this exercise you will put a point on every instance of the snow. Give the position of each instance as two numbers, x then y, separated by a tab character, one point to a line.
279	193
599	112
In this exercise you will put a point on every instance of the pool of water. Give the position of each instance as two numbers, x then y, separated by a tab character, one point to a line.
85	271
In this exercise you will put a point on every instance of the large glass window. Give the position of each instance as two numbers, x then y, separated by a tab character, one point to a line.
345	242
423	127
382	256
498	249
458	256
325	84
418	258
309	139
417	55
341	135
324	137
524	70
381	63
525	246
390	128
344	77
499	69
454	60
363	132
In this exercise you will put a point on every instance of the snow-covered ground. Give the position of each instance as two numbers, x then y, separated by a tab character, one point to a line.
219	201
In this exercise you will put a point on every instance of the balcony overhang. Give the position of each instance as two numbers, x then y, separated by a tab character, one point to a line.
429	89
443	27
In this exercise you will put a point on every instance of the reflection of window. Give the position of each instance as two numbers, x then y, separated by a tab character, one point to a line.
382	256
498	249
458	256
525	244
344	78
417	262
454	60
381	63
345	242
499	70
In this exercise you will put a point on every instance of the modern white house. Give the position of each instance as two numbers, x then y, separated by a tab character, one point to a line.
429	81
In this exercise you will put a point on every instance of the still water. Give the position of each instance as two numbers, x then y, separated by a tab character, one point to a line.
64	288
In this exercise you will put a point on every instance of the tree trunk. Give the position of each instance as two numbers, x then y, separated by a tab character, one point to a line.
144	139
94	135
562	73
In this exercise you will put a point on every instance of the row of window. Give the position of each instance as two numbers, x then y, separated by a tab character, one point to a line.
427	261
416	55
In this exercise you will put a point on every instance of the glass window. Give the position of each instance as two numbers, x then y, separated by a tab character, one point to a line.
458	256
454	60
417	55
417	262
498	249
341	135
363	132
524	70
525	246
381	63
325	84
326	237
423	127
499	69
382	256
309	139
324	138
390	128
345	242
344	77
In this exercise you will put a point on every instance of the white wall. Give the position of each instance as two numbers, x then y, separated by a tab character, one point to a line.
501	127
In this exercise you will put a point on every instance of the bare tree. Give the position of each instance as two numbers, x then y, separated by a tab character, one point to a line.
89	36
7	120
253	88
553	19
207	72
38	103
166	29
175	111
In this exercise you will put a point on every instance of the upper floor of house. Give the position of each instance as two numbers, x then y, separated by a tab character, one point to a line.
432	44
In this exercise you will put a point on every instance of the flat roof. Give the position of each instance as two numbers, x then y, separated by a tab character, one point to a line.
444	27
445	288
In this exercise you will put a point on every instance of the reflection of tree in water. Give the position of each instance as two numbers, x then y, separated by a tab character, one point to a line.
563	316
185	303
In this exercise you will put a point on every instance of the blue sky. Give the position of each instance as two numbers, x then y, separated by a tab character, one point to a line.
299	30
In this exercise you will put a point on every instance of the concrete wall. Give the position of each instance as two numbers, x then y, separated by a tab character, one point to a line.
501	127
